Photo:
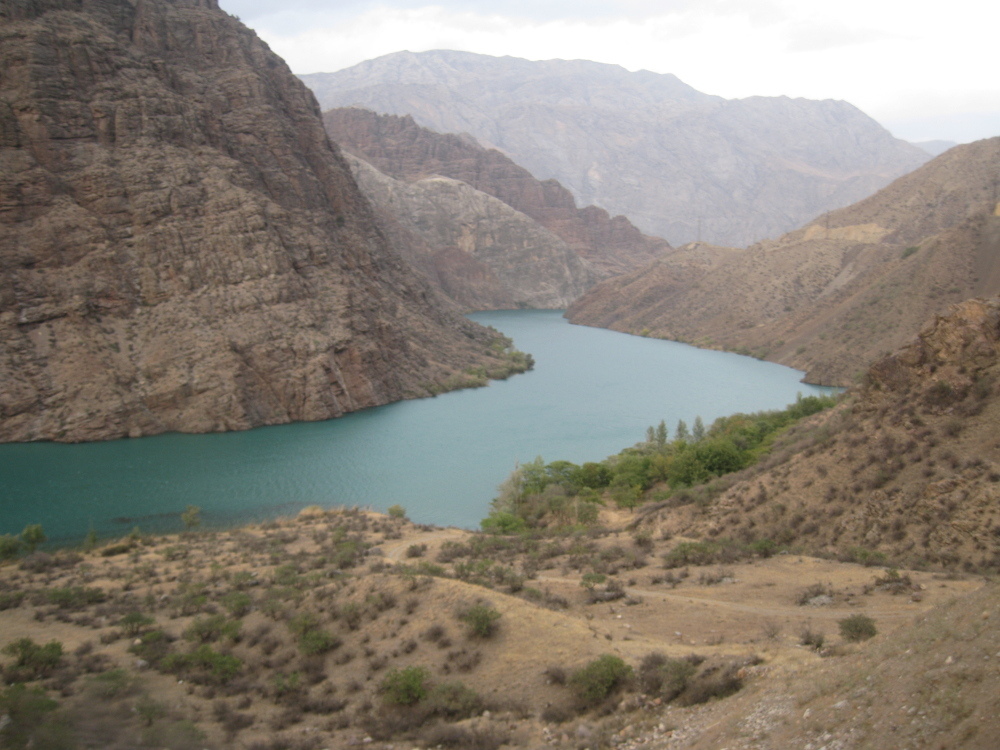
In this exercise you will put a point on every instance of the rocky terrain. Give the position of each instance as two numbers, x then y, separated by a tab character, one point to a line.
832	296
402	149
678	163
182	247
475	249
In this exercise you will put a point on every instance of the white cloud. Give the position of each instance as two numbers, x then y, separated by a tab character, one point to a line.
896	61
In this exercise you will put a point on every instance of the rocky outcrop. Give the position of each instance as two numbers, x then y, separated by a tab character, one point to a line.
678	163
182	248
840	292
402	149
477	250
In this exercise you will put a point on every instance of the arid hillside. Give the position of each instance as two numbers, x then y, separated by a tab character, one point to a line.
402	149
845	289
181	246
908	467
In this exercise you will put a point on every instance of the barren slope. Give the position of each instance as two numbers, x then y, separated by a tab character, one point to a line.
841	291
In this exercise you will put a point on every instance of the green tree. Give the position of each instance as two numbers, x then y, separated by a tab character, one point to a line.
661	434
25	711
32	536
397	511
698	430
681	433
191	517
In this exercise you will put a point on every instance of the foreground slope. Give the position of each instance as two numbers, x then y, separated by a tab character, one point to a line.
839	292
181	246
402	149
908	467
678	163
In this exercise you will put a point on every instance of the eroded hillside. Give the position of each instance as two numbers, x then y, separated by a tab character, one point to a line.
831	297
402	149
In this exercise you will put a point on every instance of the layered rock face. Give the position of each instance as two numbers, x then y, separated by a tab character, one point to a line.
834	295
181	247
678	163
402	149
476	249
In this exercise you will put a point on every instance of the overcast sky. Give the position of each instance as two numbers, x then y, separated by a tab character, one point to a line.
924	70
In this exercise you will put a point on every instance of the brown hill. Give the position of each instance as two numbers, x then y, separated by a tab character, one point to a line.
402	149
476	249
907	470
678	163
181	246
843	290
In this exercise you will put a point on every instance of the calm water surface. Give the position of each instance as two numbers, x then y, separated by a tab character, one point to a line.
592	393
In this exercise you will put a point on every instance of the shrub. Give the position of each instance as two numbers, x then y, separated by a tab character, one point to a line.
857	628
74	597
812	639
32	536
238	603
397	511
315	642
10	546
31	660
213	628
454	701
153	647
481	619
664	677
25	711
594	682
406	686
191	517
204	664
134	623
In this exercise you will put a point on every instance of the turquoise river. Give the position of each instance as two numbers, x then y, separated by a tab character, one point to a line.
592	393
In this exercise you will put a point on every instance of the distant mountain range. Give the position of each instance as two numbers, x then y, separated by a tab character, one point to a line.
830	297
678	163
481	228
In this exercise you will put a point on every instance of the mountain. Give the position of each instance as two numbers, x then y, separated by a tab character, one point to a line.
402	149
935	148
908	466
475	249
678	163
831	297
182	248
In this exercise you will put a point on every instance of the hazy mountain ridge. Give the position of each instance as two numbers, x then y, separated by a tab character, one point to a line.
643	145
399	147
834	295
182	248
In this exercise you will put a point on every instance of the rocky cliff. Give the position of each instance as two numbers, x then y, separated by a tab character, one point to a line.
476	249
836	294
678	163
402	149
181	246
